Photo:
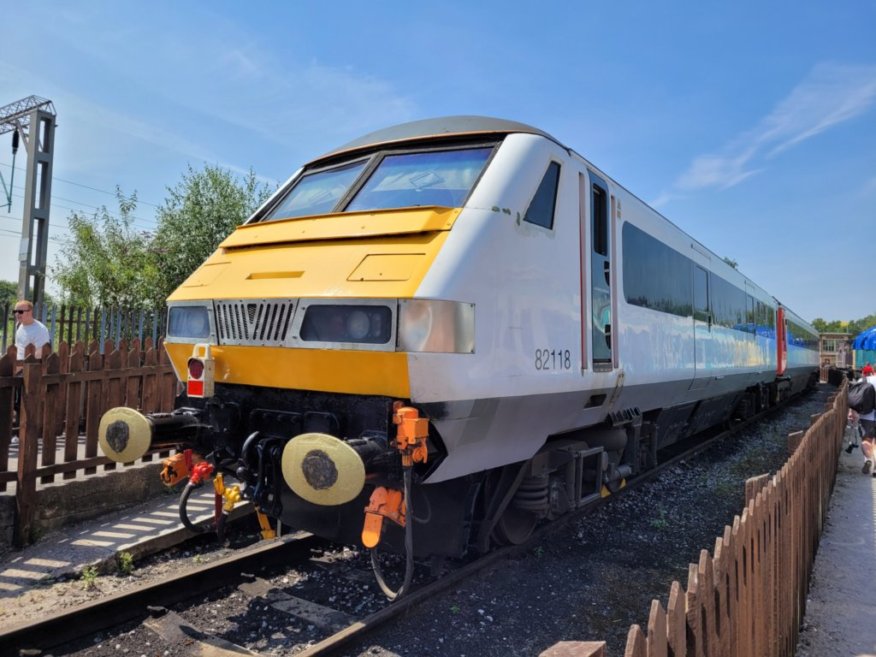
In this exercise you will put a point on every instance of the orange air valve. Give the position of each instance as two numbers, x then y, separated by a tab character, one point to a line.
411	435
410	440
384	503
177	467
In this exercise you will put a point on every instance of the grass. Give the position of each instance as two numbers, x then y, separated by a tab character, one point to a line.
660	522
89	577
125	563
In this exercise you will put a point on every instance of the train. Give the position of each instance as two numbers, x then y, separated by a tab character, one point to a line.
433	337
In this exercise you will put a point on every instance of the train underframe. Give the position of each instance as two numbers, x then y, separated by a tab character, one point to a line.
243	431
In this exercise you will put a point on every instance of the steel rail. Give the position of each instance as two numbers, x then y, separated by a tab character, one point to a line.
419	595
119	608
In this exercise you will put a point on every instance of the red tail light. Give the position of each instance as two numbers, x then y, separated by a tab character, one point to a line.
200	376
196	368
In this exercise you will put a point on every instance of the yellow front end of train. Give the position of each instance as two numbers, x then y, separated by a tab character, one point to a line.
347	258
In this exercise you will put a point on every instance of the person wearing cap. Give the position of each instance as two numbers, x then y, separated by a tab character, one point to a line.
868	425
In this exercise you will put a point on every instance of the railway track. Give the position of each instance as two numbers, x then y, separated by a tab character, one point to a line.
149	605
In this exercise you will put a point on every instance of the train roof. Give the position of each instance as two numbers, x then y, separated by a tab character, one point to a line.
448	127
437	128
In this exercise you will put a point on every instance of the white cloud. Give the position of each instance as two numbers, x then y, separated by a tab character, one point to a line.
664	198
831	94
173	93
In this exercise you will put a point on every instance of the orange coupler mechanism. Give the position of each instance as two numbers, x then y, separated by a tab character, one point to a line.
388	503
394	504
178	467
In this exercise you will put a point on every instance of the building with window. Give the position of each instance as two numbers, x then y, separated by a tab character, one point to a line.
835	350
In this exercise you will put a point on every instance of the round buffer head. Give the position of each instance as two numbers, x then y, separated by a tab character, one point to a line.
323	469
124	434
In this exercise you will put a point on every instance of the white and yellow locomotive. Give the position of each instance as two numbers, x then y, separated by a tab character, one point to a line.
464	326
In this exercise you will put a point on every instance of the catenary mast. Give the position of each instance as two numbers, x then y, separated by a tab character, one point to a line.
33	119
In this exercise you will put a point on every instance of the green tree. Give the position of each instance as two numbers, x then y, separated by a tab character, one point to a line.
853	327
858	325
107	262
8	293
200	212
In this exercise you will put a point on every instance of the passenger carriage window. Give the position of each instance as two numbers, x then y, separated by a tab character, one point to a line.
655	275
770	321
701	294
750	313
728	304
541	209
800	337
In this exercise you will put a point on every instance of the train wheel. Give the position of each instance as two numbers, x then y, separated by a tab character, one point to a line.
514	527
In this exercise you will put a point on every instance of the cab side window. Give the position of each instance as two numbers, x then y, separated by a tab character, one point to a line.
541	209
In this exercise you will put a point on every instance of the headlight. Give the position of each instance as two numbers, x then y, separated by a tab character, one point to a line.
353	323
358	325
188	322
436	326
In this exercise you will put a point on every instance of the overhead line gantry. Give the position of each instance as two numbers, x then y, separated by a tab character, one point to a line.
33	120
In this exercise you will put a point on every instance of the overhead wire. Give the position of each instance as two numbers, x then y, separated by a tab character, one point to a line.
143	223
94	189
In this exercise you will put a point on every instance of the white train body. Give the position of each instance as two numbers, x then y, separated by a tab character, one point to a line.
554	331
533	371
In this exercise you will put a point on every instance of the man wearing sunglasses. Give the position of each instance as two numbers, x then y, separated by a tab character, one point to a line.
30	329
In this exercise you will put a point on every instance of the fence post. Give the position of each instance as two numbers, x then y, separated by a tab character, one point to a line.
794	440
28	436
75	397
93	406
51	394
575	649
7	394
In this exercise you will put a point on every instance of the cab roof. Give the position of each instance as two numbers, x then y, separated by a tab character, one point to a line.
435	129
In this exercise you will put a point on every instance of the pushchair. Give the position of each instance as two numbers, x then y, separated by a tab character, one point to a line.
853	433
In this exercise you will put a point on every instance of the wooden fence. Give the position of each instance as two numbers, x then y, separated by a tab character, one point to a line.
62	398
73	324
747	597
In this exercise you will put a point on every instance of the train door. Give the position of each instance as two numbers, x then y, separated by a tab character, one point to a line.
702	324
600	276
781	342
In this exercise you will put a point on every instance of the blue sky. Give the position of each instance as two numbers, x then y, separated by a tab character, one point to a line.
751	125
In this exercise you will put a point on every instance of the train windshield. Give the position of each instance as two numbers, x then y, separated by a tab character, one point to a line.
399	180
319	192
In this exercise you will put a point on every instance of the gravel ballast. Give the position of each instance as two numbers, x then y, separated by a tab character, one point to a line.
589	580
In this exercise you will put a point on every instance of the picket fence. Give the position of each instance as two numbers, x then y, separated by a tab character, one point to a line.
747	597
63	395
73	324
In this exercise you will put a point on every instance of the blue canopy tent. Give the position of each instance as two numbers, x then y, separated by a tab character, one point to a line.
864	346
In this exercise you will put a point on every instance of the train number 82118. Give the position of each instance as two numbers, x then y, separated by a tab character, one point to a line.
553	359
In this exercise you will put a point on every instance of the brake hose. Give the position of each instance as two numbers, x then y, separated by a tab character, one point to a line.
183	514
